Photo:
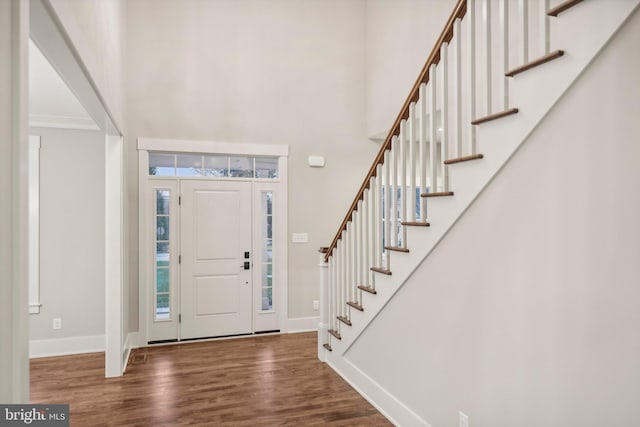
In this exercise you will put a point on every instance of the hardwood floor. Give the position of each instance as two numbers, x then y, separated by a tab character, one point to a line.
260	381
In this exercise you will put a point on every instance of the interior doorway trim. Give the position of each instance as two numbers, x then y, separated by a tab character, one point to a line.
53	40
146	145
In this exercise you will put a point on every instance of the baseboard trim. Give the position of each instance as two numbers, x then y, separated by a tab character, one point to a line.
66	346
303	324
386	403
129	344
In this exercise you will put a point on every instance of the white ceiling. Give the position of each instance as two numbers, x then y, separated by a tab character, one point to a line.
51	102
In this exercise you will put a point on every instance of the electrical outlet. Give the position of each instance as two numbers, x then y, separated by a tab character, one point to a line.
316	305
463	420
57	323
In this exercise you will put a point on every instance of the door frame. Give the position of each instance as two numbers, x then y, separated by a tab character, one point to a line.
145	273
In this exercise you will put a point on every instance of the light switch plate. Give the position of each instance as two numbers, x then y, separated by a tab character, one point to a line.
299	238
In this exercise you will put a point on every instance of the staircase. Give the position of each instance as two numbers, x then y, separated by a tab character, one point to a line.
495	72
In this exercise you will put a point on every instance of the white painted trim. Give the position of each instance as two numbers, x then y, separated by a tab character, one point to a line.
66	346
34	308
323	321
114	256
145	251
282	222
61	122
213	147
387	404
34	224
144	268
53	40
130	343
14	269
303	324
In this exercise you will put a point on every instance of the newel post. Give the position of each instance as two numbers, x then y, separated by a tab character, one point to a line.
323	325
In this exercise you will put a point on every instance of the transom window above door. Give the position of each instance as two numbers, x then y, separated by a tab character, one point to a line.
212	165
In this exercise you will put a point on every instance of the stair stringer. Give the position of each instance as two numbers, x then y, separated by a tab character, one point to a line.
582	33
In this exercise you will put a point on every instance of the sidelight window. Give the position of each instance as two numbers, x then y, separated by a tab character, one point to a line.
162	264
267	251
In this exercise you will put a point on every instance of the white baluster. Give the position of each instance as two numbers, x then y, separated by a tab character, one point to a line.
364	275
328	300
354	255
360	244
433	129
343	295
387	206
394	191
411	130
524	30
423	150
471	18
403	180
336	285
373	229
457	87
544	33
504	18
340	277
487	34
347	272
444	114
334	288
378	220
347	263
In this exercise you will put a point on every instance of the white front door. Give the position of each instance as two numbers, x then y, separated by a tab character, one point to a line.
215	243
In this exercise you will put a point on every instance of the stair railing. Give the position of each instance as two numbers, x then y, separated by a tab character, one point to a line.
435	127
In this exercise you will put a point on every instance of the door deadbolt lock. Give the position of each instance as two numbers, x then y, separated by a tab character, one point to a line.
246	255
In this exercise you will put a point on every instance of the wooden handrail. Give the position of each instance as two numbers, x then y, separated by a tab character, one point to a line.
434	58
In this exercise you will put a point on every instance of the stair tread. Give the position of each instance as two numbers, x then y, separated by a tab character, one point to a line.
562	7
397	248
416	223
438	194
327	346
335	333
539	61
368	289
463	159
381	270
495	116
344	320
355	305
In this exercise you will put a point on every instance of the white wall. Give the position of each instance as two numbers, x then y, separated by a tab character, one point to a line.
527	312
399	37
14	363
97	30
276	72
72	239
